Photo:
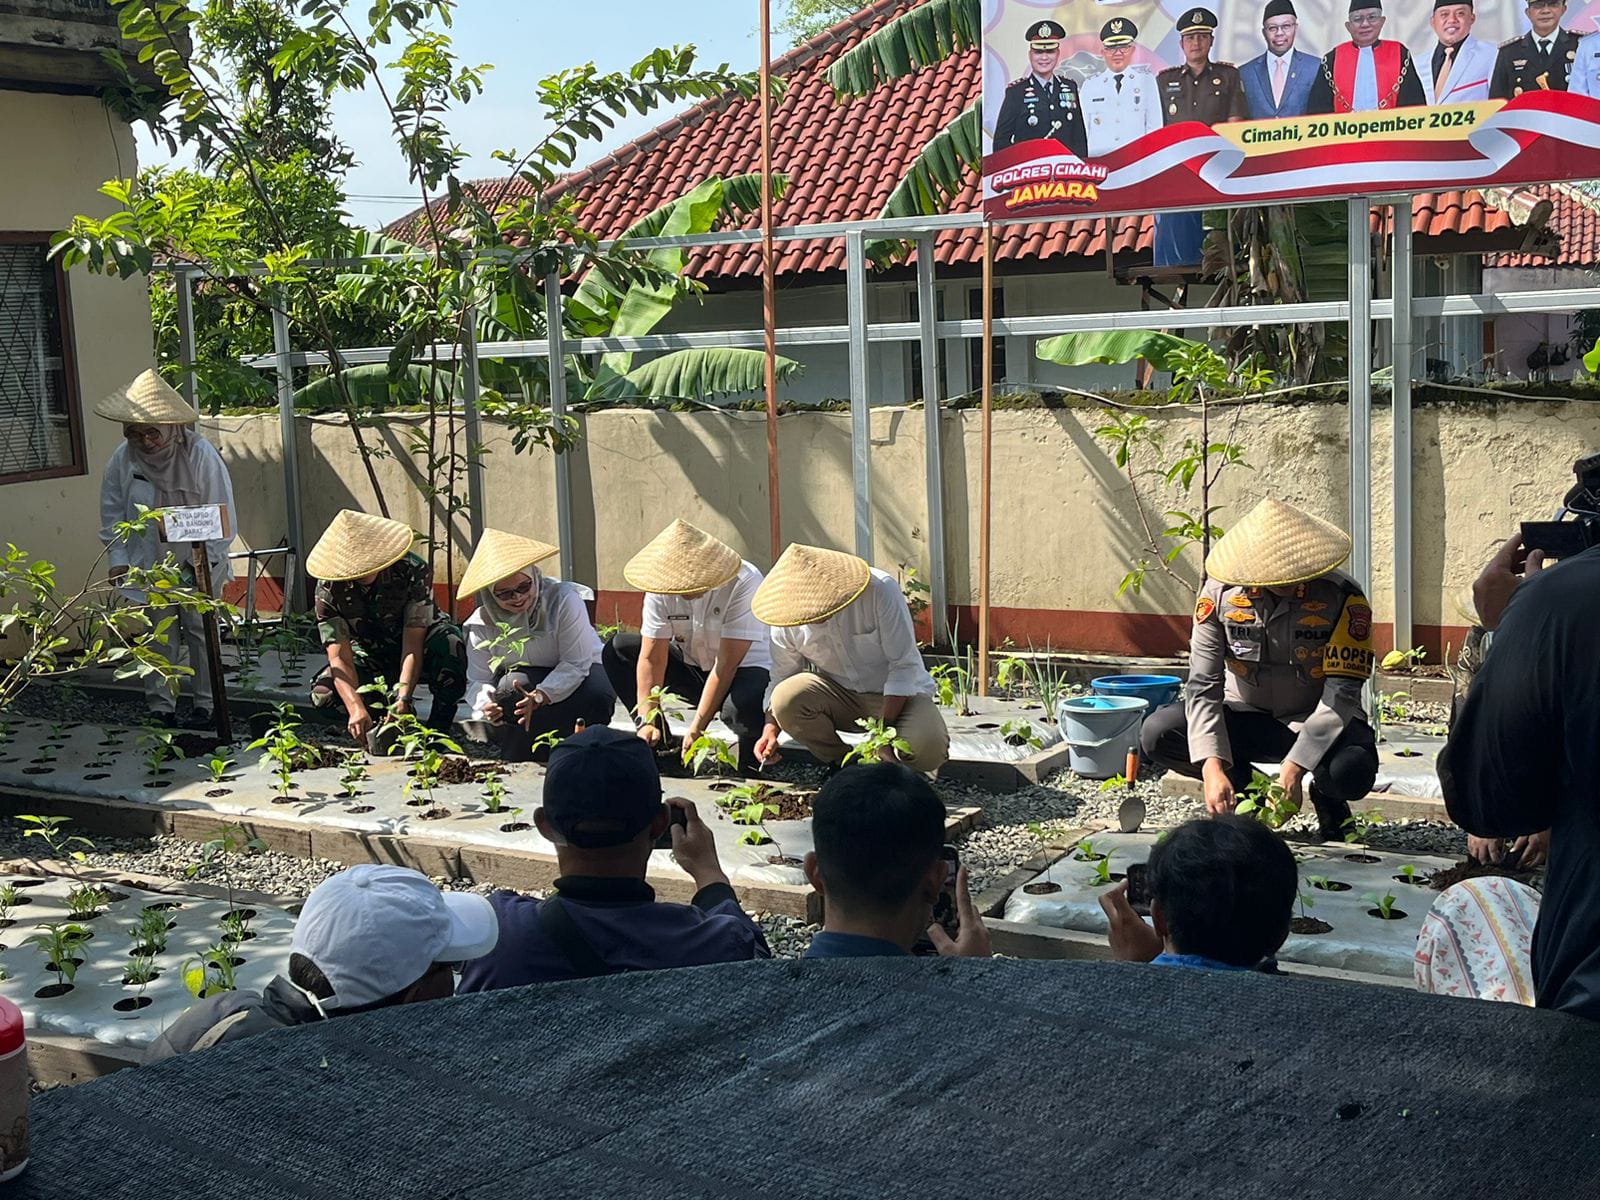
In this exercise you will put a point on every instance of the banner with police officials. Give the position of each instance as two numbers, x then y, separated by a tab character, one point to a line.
1122	106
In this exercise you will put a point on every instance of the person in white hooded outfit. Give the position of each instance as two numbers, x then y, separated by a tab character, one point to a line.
533	656
163	462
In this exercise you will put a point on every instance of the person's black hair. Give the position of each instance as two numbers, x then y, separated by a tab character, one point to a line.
307	976
1226	888
876	828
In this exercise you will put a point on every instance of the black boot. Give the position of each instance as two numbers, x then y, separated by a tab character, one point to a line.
1332	817
442	715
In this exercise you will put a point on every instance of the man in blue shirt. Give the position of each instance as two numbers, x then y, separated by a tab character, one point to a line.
1221	895
879	866
603	810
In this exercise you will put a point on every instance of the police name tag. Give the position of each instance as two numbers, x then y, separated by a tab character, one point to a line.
195	523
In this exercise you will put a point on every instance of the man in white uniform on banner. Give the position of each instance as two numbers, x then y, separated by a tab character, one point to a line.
1120	104
1459	70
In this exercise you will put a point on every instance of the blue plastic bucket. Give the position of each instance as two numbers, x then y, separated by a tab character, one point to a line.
1157	690
1099	731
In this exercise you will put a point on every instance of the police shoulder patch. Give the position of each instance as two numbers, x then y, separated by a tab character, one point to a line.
1203	608
1360	621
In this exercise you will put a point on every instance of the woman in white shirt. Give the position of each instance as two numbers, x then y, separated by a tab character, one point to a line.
163	462
698	640
533	657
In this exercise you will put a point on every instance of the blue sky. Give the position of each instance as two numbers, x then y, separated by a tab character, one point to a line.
527	40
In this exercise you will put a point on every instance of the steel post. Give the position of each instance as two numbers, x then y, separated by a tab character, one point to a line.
932	418
1402	331
293	597
473	422
1360	356
554	336
855	244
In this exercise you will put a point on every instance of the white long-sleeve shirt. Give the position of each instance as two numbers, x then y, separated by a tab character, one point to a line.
123	487
568	645
870	646
697	626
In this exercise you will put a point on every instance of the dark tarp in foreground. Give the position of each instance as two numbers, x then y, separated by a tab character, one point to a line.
865	1077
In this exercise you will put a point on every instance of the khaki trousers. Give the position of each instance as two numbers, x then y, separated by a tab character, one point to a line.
812	709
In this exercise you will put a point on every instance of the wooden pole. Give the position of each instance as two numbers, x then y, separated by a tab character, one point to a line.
769	285
987	461
219	684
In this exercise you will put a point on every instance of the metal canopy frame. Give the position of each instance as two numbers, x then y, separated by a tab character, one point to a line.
1360	311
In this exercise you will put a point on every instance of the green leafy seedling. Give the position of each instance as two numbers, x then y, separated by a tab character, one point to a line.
151	932
139	972
880	737
218	766
1359	825
84	901
1102	872
1085	851
1113	784
1268	801
494	793
1320	882
211	972
711	755
1020	733
1384	904
60	944
353	772
1411	875
10	897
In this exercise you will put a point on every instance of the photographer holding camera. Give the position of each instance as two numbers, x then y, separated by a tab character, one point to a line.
1524	749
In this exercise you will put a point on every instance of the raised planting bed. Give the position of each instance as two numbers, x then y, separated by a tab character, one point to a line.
128	978
1356	886
475	828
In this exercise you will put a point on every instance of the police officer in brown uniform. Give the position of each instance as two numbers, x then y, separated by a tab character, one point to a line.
1540	59
1040	105
1203	91
1281	650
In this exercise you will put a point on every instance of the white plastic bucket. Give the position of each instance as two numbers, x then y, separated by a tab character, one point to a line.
1099	731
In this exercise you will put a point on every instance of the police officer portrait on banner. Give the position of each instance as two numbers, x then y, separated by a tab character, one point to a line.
1277	83
1280	653
1120	104
1458	70
1203	91
1040	104
1367	73
1539	60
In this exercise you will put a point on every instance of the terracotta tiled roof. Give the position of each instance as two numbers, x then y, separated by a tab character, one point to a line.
1575	222
844	159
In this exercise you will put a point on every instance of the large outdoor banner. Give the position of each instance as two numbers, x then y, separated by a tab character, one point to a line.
1122	106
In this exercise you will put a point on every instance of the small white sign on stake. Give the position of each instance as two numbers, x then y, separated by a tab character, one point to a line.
195	523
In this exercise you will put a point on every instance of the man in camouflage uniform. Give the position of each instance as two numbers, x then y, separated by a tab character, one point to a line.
382	623
1281	650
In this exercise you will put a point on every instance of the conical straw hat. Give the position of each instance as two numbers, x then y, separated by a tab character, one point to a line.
498	555
1275	545
358	544
148	400
682	560
809	584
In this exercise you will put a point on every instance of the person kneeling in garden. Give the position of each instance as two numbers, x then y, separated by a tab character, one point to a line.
163	462
533	657
879	867
1222	893
1281	649
377	619
604	812
368	938
699	640
844	652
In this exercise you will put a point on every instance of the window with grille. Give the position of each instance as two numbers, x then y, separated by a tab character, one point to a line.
40	428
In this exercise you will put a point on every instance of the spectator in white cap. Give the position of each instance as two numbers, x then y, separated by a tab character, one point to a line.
371	937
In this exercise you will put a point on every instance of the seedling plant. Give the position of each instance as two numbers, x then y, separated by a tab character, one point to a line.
952	680
1020	733
711	755
1102	872
1085	851
60	945
84	901
211	972
754	815
1384	904
427	748
218	766
150	935
1038	675
1359	824
1112	784
1268	802
1411	875
284	751
217	855
353	773
1397	660
62	845
494	793
660	700
159	746
880	737
10	897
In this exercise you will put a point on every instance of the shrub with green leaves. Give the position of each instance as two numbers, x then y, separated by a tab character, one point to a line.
1268	802
711	755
